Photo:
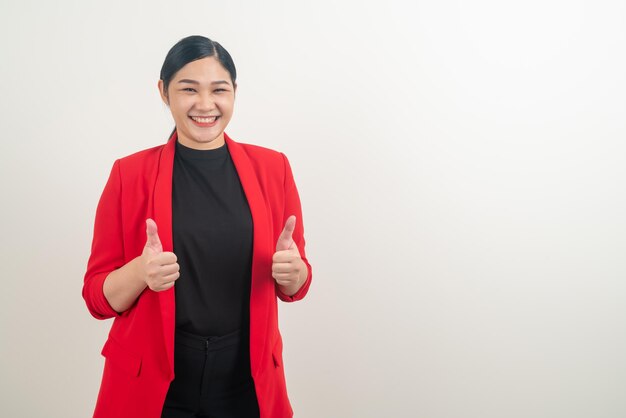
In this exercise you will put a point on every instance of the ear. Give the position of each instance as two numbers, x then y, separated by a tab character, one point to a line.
235	89
163	93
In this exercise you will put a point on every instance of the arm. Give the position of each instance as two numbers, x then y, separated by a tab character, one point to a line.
123	286
112	287
107	248
154	268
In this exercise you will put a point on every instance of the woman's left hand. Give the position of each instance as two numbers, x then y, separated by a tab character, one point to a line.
288	269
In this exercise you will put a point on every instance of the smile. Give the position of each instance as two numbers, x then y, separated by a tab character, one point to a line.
204	121
207	119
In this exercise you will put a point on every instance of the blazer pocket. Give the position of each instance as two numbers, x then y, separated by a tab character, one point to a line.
121	358
277	352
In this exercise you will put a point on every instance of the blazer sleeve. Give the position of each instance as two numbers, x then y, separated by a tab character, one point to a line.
107	248
292	207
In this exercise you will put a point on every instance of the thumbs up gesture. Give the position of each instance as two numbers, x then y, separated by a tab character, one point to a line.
159	268
288	269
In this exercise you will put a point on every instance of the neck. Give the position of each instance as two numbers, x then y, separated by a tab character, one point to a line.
202	145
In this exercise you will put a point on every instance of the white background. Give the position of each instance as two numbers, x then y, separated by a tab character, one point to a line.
462	171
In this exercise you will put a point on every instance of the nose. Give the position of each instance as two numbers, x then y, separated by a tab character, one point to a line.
205	102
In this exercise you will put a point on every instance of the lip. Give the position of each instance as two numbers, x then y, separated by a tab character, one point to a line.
205	125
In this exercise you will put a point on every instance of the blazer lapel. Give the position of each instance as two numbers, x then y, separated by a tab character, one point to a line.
261	254
162	211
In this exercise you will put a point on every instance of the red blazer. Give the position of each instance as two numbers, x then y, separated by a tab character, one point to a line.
139	352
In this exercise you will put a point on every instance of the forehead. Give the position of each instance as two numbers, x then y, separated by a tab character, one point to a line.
207	69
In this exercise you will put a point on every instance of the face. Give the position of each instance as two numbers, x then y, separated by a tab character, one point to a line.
201	97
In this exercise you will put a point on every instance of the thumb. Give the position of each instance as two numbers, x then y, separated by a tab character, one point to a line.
285	240
153	241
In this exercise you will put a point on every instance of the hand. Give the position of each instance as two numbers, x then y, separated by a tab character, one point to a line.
158	268
288	269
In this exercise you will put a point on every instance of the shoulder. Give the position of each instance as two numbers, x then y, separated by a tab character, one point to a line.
141	163
261	153
144	155
264	160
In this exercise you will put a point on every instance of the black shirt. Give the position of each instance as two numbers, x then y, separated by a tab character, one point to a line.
212	232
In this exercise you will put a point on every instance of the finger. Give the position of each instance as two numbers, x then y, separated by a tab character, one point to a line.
282	267
165	258
165	287
286	256
283	277
165	282
169	269
285	240
170	278
153	241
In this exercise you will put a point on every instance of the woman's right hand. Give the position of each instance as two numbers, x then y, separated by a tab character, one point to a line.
157	268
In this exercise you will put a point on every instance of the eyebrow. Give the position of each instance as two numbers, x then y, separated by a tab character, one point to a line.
188	81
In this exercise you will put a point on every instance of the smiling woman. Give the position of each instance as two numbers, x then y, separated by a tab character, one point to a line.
195	301
201	97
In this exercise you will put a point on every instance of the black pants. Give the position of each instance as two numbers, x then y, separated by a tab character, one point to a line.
212	378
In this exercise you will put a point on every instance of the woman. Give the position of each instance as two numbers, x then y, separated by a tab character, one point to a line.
194	241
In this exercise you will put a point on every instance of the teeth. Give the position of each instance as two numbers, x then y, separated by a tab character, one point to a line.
204	120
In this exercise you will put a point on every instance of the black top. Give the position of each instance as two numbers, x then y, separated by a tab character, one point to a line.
212	232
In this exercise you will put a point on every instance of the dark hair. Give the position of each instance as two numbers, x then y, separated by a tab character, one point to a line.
193	48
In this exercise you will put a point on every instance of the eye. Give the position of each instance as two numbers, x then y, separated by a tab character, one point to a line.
220	90
189	89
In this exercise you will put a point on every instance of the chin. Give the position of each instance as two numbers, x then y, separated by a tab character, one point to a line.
208	141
